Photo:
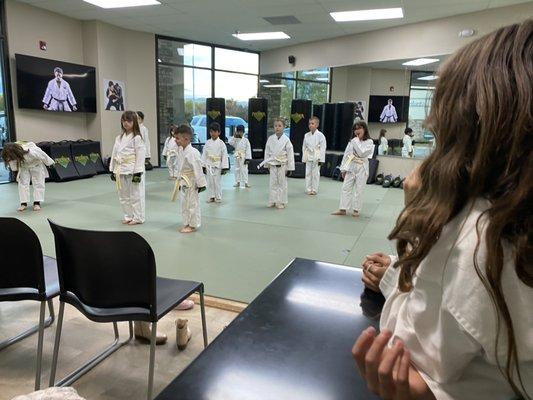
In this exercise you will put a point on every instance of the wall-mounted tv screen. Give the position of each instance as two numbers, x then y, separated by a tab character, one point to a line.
51	85
388	109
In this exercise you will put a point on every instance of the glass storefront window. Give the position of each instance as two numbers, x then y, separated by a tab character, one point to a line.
420	95
170	51
317	92
238	61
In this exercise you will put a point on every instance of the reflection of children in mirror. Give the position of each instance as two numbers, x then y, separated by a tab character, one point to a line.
388	115
58	95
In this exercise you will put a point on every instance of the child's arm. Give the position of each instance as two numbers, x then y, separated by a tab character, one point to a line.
347	153
140	154
323	146
290	156
113	155
248	150
224	161
199	176
13	166
43	157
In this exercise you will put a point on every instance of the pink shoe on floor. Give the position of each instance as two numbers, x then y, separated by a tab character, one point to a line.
185	305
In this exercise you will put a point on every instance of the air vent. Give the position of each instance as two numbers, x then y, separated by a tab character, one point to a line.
283	20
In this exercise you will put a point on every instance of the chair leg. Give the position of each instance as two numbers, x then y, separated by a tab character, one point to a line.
202	310
40	347
73	376
152	361
49	321
56	344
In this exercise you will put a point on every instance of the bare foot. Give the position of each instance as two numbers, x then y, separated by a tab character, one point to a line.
271	205
21	208
187	229
126	221
211	200
247	186
340	212
355	214
313	193
133	222
36	207
280	206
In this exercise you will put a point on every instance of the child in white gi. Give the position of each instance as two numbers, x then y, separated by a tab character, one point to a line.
191	180
30	163
243	155
127	169
383	147
354	169
144	135
407	148
215	160
170	151
279	159
314	154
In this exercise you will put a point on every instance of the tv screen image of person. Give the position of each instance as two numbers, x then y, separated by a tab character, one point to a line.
388	109
52	85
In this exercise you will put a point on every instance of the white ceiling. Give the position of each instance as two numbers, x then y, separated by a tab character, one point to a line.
214	21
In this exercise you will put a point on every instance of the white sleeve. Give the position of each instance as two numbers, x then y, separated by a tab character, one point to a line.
347	152
13	166
165	147
70	95
389	281
248	150
113	155
43	157
231	141
225	158
268	150
140	154
363	149
290	156
323	146
199	176
147	142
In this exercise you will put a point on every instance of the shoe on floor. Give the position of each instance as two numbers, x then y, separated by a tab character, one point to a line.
185	305
183	333
143	331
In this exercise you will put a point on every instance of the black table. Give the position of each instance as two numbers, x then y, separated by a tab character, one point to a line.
292	342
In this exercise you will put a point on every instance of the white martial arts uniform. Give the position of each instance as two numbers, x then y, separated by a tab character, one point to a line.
215	159
383	147
279	158
314	152
170	151
407	149
128	159
57	97
243	152
33	169
146	138
448	321
388	114
355	164
190	178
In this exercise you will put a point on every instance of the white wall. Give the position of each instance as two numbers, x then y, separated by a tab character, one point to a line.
428	38
117	53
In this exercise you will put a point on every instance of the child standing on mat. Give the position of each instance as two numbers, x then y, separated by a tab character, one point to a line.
215	161
127	169
354	169
314	154
191	180
279	159
30	163
170	151
243	155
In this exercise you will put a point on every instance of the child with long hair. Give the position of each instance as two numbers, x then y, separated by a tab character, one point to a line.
355	169
383	147
457	321
170	152
29	162
127	169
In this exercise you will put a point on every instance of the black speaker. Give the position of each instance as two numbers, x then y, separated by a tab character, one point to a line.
257	125
292	60
300	114
318	111
216	112
344	113
328	125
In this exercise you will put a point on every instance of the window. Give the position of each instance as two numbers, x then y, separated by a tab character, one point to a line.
6	116
189	73
420	95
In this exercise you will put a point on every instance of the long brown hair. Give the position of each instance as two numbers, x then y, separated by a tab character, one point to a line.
482	119
130	116
13	152
361	124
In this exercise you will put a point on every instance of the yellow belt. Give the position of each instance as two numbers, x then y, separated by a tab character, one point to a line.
354	158
188	177
240	154
119	161
214	157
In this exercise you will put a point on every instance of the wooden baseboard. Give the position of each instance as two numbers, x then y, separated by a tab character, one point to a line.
222	304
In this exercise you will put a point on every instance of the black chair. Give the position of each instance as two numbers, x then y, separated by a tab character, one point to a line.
111	277
26	275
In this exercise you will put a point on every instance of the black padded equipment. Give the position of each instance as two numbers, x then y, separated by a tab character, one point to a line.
299	170
257	125
318	111
252	167
396	182
64	168
216	112
332	161
328	125
337	176
372	170
344	113
387	181
95	155
300	114
81	155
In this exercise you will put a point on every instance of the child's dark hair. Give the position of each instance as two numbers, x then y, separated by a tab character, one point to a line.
408	131
361	124
214	126
13	152
140	114
240	128
130	116
382	133
184	130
